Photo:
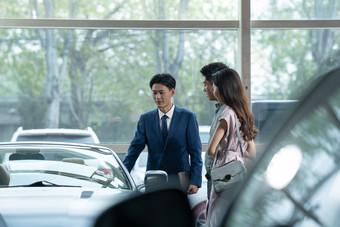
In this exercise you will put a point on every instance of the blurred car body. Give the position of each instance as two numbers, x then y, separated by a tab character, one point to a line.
86	135
59	184
133	213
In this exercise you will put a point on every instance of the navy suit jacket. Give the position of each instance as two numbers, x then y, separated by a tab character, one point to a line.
172	156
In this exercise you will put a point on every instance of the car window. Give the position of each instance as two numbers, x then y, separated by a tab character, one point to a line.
69	166
204	133
268	112
298	182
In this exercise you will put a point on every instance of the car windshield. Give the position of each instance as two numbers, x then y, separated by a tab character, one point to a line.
55	165
297	182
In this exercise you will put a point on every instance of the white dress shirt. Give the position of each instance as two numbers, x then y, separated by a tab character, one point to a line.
169	114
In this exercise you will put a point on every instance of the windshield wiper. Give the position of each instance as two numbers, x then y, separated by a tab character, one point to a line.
45	183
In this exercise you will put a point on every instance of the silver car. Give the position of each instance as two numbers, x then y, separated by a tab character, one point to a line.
59	184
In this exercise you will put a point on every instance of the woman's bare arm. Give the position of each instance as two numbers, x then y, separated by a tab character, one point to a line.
251	150
220	130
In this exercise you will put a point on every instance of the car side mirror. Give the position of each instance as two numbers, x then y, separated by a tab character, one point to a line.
155	179
166	208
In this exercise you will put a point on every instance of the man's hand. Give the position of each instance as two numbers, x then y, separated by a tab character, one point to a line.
193	189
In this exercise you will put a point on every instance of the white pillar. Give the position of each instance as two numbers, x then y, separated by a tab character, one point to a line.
244	45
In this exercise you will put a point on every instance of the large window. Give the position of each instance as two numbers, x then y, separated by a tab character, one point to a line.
72	64
295	9
284	60
103	79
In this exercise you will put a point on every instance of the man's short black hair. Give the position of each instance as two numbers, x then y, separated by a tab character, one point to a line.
208	70
163	78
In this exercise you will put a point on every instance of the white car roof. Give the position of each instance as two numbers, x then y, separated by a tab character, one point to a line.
55	131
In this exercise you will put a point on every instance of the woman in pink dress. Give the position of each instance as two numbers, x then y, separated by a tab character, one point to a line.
228	89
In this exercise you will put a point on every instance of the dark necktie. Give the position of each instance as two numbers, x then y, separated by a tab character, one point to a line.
164	127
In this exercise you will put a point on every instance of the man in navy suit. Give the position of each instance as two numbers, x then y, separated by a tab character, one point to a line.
171	135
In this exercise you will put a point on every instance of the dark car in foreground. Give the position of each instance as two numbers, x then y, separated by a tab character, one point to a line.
59	184
295	179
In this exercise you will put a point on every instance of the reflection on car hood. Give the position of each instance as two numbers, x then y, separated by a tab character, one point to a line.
55	206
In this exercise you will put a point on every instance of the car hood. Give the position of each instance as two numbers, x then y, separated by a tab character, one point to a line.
57	206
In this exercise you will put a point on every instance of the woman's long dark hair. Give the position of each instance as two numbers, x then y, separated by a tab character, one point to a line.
233	94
